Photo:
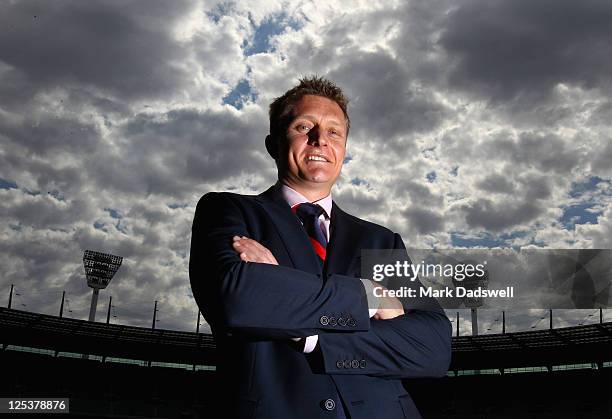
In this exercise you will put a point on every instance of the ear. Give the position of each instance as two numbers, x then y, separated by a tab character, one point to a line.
272	146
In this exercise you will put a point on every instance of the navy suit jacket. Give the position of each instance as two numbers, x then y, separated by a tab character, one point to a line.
255	309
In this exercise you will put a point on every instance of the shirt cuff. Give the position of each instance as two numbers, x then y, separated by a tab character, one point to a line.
311	343
373	302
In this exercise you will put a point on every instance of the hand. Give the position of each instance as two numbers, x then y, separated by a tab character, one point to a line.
389	307
251	251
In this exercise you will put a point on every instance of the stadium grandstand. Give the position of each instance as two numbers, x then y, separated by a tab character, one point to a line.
117	371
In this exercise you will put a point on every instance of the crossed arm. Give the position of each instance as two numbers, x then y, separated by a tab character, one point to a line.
387	343
250	250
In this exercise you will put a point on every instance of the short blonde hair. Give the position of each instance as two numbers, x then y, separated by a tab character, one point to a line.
282	106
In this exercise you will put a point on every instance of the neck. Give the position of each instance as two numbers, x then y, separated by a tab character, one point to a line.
311	193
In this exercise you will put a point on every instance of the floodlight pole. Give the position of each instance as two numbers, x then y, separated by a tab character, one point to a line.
550	318
62	304
600	315
110	302
198	327
474	322
457	324
94	305
503	322
11	296
154	315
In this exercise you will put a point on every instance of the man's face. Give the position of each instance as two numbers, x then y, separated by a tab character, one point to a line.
315	144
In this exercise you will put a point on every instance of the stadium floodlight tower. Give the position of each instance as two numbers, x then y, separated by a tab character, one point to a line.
472	283
99	270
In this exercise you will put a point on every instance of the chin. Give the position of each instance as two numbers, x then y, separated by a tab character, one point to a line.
319	178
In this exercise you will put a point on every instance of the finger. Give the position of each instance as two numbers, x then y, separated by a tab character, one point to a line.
251	242
253	248
246	246
256	251
245	239
253	254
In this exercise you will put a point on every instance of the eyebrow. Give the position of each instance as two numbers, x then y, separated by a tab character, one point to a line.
312	117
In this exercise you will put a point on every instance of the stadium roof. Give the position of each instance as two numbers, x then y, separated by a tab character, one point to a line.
111	340
578	344
567	345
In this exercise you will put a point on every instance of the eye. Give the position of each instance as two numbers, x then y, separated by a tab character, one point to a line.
302	127
335	132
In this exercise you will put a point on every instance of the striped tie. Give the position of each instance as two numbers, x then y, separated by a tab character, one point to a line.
309	215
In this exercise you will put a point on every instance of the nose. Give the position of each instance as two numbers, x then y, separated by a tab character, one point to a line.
315	137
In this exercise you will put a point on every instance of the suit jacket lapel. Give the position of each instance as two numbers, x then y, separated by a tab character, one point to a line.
290	231
343	247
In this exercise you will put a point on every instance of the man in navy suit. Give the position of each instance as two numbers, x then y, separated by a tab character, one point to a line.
278	278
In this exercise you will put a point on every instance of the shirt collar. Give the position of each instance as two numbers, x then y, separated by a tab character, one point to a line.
293	198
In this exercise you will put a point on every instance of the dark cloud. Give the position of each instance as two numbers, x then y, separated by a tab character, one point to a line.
418	193
170	154
485	214
38	175
49	134
546	152
117	46
602	159
496	183
384	102
602	115
536	187
43	210
358	201
505	50
526	187
424	221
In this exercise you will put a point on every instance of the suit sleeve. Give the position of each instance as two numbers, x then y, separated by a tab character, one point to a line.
415	344
263	300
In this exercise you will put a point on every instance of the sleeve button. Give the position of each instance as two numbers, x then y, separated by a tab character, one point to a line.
329	404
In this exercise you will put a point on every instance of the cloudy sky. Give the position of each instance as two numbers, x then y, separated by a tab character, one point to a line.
474	123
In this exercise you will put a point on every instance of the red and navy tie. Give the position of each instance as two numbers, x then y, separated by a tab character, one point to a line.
309	215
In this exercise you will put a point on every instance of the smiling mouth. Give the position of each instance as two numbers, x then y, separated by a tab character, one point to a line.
316	158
